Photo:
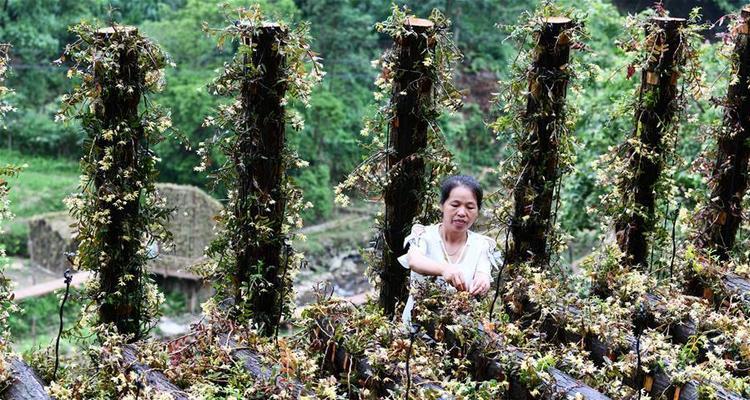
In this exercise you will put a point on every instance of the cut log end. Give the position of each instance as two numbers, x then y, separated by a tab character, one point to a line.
117	29
669	22
263	25
557	20
419	23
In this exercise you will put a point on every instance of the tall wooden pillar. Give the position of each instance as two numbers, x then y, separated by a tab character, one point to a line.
720	219
656	108
259	165
407	186
544	121
120	276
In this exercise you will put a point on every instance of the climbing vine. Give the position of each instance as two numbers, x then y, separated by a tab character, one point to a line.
252	256
120	216
375	173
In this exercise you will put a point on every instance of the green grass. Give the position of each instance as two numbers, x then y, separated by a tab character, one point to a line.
42	185
40	188
38	322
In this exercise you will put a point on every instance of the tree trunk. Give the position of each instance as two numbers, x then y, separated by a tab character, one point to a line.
721	217
656	108
258	283
407	187
545	124
122	298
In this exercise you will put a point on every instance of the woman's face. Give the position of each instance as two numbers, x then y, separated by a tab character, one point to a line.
460	209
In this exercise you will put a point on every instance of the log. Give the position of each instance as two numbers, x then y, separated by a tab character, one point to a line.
25	385
340	362
559	385
602	352
254	365
153	378
737	288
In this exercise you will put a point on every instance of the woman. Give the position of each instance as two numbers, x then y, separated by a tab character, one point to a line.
449	250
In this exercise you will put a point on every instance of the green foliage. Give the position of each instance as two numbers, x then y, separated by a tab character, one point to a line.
6	295
316	184
118	211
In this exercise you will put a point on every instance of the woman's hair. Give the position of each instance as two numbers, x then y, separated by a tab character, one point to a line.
454	181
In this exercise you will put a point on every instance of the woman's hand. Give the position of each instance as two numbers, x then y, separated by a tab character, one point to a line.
452	274
480	284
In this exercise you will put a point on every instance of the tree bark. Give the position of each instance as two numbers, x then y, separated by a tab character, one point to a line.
153	378
405	193
25	384
544	120
255	367
258	283
340	362
721	217
122	298
656	108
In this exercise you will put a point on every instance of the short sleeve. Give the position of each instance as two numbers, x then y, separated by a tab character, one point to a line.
487	261
415	240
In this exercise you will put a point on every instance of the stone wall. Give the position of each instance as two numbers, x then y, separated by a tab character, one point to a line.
192	224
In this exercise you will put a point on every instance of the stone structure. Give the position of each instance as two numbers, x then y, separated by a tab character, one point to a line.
192	223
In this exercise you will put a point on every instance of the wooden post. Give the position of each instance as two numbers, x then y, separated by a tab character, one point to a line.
656	108
407	186
721	217
120	278
258	283
545	124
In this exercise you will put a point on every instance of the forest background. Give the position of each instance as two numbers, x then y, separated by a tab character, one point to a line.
344	36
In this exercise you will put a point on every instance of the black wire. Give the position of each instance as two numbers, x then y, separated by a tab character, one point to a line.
138	385
413	331
287	251
500	274
68	279
674	241
638	359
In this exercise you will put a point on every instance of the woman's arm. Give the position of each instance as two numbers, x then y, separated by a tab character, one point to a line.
422	264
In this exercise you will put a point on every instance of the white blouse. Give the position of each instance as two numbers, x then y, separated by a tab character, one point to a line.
476	257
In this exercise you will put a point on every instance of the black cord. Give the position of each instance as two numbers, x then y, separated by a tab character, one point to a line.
287	251
674	241
138	384
413	331
500	273
640	321
68	280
